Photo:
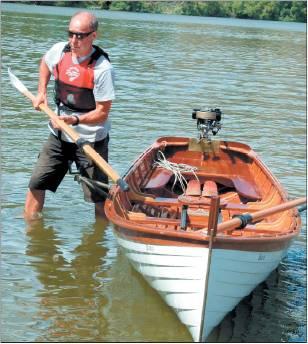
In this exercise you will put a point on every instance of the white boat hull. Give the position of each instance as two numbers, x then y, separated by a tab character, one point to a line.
178	274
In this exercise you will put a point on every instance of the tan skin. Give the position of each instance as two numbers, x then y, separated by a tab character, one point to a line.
80	47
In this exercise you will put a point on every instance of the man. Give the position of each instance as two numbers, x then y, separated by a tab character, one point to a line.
84	90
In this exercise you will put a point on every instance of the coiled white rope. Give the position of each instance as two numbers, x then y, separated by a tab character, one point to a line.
176	169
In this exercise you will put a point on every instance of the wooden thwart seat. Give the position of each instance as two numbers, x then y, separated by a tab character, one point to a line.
245	188
159	178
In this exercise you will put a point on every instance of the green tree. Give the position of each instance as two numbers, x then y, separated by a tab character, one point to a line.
260	9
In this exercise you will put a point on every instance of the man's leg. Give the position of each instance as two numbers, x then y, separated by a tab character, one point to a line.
34	204
99	209
48	173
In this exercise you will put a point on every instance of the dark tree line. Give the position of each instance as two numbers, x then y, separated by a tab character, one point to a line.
295	11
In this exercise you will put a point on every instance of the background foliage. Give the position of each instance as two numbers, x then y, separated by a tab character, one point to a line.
264	10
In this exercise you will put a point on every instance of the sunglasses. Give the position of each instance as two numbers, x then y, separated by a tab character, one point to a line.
79	35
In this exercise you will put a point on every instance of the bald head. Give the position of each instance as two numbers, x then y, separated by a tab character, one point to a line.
85	20
82	32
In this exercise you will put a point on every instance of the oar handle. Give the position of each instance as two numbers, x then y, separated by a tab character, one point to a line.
259	215
88	150
102	164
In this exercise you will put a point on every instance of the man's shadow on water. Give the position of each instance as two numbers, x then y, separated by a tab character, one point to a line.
70	306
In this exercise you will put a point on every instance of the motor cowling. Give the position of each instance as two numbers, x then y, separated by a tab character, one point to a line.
208	121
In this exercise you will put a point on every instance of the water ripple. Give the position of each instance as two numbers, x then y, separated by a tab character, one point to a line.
65	279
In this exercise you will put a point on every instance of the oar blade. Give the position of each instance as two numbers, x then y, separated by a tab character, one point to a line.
16	82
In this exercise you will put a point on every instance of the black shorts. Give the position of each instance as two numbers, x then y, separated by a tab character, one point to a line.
53	164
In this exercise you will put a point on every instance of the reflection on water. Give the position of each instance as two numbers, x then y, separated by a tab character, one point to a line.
69	303
65	279
83	297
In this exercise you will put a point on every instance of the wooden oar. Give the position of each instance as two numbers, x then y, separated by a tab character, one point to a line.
88	150
243	220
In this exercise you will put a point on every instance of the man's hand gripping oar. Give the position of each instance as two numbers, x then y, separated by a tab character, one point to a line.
88	150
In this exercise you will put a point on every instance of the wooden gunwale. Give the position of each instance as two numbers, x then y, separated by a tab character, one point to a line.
147	234
163	238
148	230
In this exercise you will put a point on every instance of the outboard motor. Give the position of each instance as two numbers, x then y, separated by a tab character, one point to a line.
208	121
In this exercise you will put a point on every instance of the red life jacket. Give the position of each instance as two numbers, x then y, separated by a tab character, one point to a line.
74	83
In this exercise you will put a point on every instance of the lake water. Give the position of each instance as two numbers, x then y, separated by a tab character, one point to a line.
66	280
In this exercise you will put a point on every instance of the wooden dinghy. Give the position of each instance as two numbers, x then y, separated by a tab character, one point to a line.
175	226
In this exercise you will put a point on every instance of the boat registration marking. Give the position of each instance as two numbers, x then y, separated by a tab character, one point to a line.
150	248
261	257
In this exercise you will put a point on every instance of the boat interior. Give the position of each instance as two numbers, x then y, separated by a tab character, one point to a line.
165	199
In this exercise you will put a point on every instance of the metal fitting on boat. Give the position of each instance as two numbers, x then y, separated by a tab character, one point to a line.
245	220
122	184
